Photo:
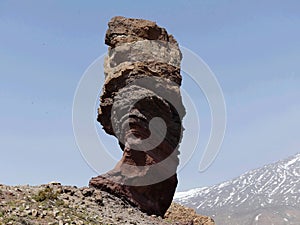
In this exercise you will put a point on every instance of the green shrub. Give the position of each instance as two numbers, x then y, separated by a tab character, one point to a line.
45	194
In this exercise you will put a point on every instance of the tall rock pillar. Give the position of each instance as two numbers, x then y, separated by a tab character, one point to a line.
141	105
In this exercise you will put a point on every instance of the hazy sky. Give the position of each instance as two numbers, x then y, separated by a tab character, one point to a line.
253	47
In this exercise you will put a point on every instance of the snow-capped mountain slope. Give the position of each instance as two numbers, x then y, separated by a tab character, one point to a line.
274	186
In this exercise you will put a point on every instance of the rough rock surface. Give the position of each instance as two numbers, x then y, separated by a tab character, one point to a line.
55	204
185	215
142	84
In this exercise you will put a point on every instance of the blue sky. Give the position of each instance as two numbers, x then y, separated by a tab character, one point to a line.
253	47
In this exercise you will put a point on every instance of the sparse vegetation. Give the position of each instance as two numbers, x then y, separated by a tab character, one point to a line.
56	204
45	194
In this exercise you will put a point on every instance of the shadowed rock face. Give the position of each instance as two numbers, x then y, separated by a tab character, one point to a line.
141	105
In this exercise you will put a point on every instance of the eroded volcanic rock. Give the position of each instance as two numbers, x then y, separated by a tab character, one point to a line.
141	105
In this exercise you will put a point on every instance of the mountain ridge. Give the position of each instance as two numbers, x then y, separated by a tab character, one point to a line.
271	189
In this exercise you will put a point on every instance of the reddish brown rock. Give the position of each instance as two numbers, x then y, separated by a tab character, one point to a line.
141	105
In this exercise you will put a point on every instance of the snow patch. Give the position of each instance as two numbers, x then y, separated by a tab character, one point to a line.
188	194
257	217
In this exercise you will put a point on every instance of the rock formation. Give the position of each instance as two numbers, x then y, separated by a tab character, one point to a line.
141	105
184	215
54	204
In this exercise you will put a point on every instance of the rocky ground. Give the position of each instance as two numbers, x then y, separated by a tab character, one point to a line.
52	204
